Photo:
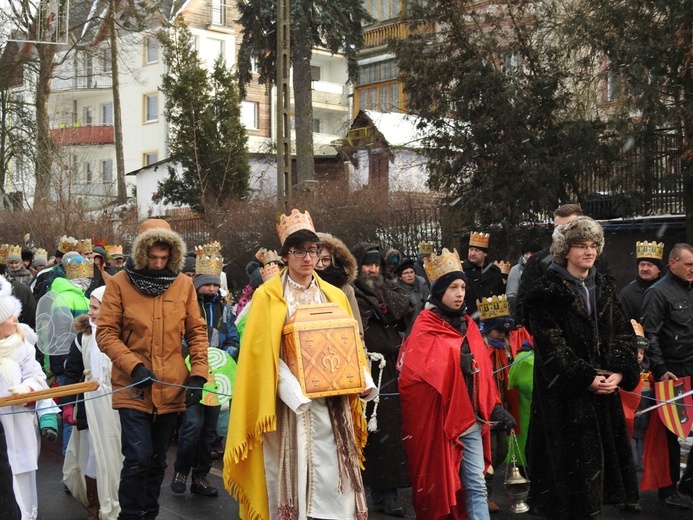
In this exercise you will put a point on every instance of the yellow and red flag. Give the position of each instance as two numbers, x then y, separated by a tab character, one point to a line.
676	415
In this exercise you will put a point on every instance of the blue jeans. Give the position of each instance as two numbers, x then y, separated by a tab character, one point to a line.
196	439
145	441
472	475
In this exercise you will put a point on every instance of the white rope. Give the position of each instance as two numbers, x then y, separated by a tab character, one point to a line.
373	421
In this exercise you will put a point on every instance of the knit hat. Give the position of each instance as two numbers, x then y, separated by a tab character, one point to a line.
531	247
407	263
40	258
580	229
189	263
27	254
9	305
98	293
205	279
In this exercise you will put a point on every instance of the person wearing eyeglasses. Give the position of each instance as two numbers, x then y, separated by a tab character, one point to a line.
288	456
579	451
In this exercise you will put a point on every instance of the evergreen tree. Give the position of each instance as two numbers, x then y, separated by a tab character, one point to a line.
206	138
642	51
333	25
490	87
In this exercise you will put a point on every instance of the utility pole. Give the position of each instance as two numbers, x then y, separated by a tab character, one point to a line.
283	115
117	121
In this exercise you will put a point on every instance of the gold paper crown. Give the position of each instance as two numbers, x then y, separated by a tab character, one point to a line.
479	240
292	223
494	307
269	256
503	266
114	250
79	267
67	244
436	266
209	259
269	270
41	253
14	251
84	246
4	251
426	247
649	250
637	328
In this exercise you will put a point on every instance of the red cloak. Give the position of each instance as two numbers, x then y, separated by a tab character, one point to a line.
437	409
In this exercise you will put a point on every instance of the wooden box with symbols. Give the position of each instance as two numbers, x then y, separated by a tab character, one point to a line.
323	349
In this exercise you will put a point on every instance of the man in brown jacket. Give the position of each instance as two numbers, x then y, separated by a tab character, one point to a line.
148	309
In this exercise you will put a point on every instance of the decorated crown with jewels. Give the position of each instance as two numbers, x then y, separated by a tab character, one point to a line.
269	256
503	266
649	250
426	247
477	239
84	246
67	244
209	259
4	251
79	267
41	253
15	251
494	307
269	270
291	223
114	250
436	266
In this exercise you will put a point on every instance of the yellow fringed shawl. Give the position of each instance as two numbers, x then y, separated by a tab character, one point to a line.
253	407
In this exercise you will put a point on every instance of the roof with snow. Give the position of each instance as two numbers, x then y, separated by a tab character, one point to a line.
398	130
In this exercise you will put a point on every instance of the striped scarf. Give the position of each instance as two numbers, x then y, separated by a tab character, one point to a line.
152	282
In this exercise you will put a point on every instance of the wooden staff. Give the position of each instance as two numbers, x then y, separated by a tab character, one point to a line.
60	391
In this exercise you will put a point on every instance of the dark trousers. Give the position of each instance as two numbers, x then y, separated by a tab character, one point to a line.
196	439
8	505
145	441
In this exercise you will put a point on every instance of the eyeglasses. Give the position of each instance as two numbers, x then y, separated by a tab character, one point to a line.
325	261
585	247
301	253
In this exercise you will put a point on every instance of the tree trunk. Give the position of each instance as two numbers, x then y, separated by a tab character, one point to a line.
303	101
44	146
117	121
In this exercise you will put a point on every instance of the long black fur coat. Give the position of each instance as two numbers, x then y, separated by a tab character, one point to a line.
579	453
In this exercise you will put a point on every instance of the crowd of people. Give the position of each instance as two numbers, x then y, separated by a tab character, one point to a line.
457	368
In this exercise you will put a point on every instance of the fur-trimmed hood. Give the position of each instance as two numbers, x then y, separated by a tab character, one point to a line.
81	324
341	254
580	229
148	238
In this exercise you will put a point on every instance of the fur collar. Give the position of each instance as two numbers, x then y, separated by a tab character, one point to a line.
148	238
341	254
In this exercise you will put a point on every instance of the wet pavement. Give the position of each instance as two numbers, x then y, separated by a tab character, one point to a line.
55	504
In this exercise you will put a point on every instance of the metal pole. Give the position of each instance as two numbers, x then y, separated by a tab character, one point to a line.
283	106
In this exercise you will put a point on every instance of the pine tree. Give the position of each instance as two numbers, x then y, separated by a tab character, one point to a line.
206	138
490	88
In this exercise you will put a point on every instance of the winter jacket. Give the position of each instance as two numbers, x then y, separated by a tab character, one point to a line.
631	298
74	370
668	322
482	282
136	328
71	304
221	329
513	285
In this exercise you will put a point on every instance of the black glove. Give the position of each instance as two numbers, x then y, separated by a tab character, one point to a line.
502	418
142	377
49	434
193	394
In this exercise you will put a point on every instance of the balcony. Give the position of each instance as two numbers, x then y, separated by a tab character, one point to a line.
329	95
380	35
83	135
85	82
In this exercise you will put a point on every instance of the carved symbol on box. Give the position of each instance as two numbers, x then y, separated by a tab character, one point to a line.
315	381
309	340
350	377
345	339
333	361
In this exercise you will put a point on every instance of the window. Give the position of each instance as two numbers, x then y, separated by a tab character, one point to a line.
149	158
384	98
379	71
107	114
106	64
314	73
249	115
87	115
316	126
383	9
218	12
511	62
107	170
151	107
88	173
254	66
217	48
151	50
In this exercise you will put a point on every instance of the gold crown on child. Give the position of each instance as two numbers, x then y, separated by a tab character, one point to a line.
269	255
79	267
67	244
41	253
293	222
209	259
15	251
426	247
477	239
84	246
269	270
637	328
494	307
436	266
4	251
649	250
